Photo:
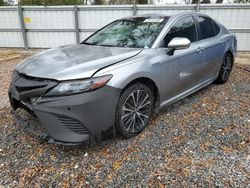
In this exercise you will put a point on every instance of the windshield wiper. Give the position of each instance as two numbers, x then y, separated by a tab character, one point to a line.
87	43
133	46
107	45
96	44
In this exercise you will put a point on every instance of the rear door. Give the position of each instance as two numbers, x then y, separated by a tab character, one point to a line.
212	45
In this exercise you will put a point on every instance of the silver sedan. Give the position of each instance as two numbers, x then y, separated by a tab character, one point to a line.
115	79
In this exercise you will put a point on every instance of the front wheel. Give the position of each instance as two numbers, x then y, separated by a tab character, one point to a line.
225	70
134	110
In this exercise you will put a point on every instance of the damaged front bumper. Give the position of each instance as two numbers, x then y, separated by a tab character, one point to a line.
69	120
41	134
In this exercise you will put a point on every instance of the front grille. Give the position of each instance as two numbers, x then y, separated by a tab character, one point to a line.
24	83
21	89
25	87
72	124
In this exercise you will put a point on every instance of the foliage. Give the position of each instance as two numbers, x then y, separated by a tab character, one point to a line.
242	1
205	1
121	2
99	2
128	2
3	3
79	2
201	1
142	1
217	1
51	2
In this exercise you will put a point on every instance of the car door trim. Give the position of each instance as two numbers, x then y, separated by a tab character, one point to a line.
187	92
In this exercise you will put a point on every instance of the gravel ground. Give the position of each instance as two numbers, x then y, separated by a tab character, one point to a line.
202	140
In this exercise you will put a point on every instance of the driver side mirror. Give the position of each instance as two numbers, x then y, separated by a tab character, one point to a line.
178	43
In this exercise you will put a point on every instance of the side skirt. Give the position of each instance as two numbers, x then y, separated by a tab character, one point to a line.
187	92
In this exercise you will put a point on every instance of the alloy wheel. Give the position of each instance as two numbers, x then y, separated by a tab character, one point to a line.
226	68
135	111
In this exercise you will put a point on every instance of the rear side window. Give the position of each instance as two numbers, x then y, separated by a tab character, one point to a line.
206	27
184	27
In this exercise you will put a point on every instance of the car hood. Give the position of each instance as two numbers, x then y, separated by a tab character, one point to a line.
73	61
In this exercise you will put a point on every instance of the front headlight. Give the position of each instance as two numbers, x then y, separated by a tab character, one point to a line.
79	86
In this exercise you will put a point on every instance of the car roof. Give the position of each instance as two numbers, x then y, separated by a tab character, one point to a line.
156	15
147	16
152	15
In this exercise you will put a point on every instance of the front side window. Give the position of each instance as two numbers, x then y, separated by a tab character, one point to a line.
184	27
139	32
206	27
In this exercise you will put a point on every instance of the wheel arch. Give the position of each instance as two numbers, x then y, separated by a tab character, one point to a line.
148	82
229	51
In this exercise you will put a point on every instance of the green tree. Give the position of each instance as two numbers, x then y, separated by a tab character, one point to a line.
142	1
3	3
121	2
99	2
242	1
201	1
51	2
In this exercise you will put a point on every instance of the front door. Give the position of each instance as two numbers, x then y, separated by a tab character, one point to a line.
181	71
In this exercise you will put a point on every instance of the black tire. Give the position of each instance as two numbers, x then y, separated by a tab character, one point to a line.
133	113
225	69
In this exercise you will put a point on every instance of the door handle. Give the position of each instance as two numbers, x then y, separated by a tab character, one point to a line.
199	50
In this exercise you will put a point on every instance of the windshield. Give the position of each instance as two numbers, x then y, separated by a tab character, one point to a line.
139	32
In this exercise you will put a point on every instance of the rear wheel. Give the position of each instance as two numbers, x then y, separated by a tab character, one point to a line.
225	69
134	110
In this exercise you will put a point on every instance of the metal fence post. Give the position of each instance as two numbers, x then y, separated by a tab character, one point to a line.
21	20
77	25
134	9
197	8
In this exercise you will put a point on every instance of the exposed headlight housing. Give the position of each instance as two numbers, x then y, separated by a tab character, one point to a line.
79	86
